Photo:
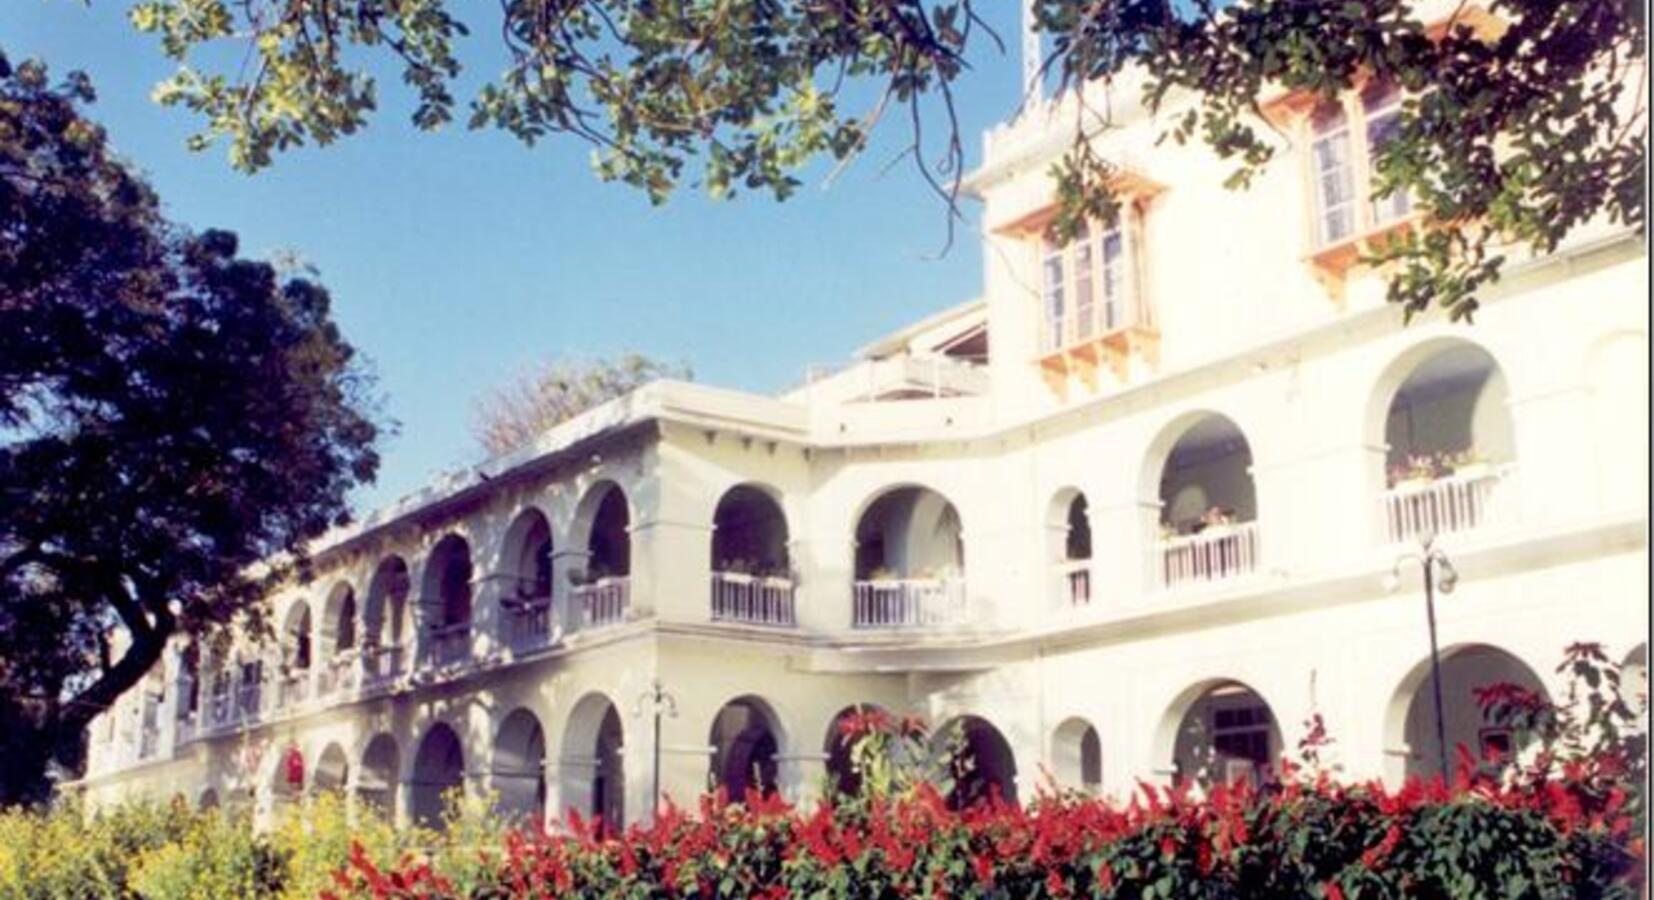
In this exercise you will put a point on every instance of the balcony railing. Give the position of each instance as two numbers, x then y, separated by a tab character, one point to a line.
909	603
752	600
249	702
1074	578
529	622
293	689
1453	503
449	645
1219	552
603	602
339	674
382	664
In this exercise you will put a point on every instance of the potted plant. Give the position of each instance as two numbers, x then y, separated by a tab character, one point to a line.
1470	464
1417	470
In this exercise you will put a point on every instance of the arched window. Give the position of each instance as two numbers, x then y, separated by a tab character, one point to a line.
1208	505
910	562
751	574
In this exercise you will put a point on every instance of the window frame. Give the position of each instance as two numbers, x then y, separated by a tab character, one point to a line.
1367	214
1107	288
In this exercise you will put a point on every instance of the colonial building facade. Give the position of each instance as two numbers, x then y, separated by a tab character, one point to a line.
1140	512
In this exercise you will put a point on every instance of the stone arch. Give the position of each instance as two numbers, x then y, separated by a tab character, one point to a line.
332	770
526	556
1068	546
837	745
297	633
908	530
438	771
591	768
446	593
520	767
1077	756
1199	472
1220	730
385	626
376	780
746	737
749	532
984	767
601	531
1409	726
1634	678
339	625
1441	411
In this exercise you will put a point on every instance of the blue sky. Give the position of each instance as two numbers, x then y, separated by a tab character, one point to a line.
459	258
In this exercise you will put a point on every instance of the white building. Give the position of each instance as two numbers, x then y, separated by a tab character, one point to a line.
1127	516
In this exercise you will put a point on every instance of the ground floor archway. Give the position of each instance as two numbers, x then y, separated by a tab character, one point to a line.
1225	732
520	767
439	771
591	767
745	739
1411	746
983	765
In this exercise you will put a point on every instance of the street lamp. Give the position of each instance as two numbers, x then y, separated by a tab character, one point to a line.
660	702
1438	571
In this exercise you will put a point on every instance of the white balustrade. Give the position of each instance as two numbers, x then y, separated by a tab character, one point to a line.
293	689
752	599
1218	552
449	645
530	624
381	664
909	603
603	602
1075	580
1453	503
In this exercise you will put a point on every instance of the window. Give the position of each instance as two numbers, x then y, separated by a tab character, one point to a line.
1242	733
1342	172
1086	286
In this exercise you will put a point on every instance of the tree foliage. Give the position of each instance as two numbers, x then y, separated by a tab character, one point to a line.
515	413
171	416
1508	142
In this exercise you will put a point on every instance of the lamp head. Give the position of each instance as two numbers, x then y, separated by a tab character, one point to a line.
1449	577
1391	581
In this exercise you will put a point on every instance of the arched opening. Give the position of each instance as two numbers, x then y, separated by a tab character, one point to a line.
338	639
189	669
527	561
603	588
1077	756
520	768
751	575
1070	539
296	655
332	771
439	772
745	739
984	768
1410	731
384	620
446	601
910	562
1634	679
840	746
1226	733
1448	438
591	772
376	782
1208	504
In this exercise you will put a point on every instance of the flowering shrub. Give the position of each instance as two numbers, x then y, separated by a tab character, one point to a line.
1566	822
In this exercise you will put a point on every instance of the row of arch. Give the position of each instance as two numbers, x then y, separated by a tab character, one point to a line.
1216	730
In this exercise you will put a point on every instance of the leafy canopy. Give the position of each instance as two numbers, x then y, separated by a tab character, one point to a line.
171	415
1505	143
513	414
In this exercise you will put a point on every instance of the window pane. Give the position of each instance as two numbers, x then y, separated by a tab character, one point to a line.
1113	278
1053	300
1335	188
1381	129
1083	267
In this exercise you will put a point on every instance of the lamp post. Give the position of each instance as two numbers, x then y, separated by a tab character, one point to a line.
1438	571
659	702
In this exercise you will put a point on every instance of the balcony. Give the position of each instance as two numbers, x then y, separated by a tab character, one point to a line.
448	645
909	603
753	600
603	602
293	689
382	664
1425	507
1214	554
528	624
339	674
1074	582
